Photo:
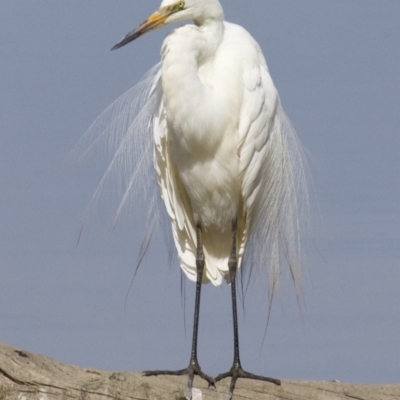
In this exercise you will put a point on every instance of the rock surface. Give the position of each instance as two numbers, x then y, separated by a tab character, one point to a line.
29	376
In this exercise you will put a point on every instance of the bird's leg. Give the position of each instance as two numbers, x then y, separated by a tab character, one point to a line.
194	367
237	371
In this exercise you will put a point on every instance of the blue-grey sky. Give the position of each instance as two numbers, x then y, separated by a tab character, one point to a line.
336	65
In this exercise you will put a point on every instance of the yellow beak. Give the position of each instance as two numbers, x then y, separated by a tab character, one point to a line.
155	20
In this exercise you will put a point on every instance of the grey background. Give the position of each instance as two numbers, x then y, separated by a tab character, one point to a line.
336	66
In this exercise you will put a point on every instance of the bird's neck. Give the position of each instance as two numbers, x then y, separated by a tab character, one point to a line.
210	35
184	52
188	47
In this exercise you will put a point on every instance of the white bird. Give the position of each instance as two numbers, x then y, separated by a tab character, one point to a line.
227	160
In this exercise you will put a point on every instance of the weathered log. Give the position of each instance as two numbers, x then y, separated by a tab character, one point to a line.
28	376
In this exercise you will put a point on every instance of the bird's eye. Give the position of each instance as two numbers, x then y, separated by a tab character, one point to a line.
181	5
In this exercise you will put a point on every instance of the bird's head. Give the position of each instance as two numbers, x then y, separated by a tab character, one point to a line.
173	11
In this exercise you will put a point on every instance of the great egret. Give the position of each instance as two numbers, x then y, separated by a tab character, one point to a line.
227	161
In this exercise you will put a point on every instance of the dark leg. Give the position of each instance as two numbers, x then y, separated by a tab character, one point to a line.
237	371
194	367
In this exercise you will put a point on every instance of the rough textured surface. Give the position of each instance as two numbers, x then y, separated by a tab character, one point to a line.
28	376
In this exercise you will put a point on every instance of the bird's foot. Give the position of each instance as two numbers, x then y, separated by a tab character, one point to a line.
237	372
192	370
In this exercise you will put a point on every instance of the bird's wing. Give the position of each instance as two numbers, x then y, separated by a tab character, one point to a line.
271	172
178	205
176	201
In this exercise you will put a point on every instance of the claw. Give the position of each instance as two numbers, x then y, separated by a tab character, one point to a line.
192	370
237	372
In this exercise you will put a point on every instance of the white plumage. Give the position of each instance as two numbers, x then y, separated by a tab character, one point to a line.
226	157
224	150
